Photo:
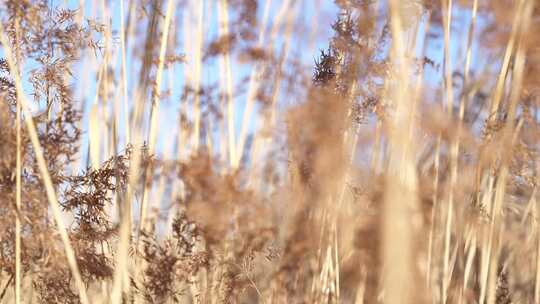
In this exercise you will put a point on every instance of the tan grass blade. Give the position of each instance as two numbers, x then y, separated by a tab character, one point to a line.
435	207
510	133
154	113
260	141
463	103
226	77
197	59
94	128
400	201
537	274
447	17
18	189
155	104
254	82
51	195
18	206
499	89
121	283
124	72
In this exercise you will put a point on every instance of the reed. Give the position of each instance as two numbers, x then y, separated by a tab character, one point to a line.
259	151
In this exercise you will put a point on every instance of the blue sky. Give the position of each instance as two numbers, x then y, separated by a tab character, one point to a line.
321	33
169	110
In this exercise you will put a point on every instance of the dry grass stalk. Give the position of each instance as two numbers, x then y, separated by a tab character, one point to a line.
397	162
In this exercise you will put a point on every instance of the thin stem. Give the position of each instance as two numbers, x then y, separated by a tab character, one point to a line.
44	171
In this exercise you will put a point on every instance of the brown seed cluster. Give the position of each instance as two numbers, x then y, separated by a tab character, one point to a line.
404	157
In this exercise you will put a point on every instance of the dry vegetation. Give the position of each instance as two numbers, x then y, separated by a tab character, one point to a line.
400	167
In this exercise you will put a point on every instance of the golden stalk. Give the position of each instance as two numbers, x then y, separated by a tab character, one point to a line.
44	171
400	201
254	80
447	18
226	78
197	58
